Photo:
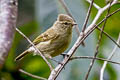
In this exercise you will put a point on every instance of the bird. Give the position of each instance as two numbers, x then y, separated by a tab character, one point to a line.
55	40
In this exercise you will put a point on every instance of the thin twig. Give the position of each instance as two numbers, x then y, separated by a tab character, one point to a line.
50	66
89	30
106	34
109	58
87	16
86	19
91	57
31	75
65	7
97	46
95	5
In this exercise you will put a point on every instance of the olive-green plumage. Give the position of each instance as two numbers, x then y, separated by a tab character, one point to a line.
55	40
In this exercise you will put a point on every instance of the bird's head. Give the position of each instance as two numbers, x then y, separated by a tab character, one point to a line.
66	20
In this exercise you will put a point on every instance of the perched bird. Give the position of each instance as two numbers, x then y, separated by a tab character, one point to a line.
55	40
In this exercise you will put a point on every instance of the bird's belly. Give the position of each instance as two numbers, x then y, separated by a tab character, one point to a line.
53	48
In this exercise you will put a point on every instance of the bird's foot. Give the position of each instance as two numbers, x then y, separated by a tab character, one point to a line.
56	61
64	55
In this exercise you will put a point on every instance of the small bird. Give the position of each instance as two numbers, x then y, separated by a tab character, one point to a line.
55	40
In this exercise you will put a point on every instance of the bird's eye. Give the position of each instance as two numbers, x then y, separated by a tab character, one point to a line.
66	23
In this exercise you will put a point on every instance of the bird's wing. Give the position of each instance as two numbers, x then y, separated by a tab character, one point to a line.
50	34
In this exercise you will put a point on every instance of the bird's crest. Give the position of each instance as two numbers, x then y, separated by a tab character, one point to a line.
64	17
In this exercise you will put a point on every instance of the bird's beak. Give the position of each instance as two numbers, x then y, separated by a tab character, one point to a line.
74	23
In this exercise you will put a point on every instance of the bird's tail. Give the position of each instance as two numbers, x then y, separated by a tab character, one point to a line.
21	55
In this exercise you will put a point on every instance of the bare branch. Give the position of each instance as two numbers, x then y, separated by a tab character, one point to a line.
50	66
31	75
97	46
8	17
90	57
65	7
110	56
109	37
95	5
87	17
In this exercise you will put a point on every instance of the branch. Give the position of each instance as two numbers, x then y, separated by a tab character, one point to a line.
90	57
97	46
95	5
50	66
8	17
110	56
99	13
88	31
31	75
87	17
106	34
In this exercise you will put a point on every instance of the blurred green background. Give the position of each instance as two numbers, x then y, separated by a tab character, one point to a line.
36	16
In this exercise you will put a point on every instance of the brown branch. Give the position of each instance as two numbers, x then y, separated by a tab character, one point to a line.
106	34
95	5
31	75
98	45
87	17
65	7
8	17
91	57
